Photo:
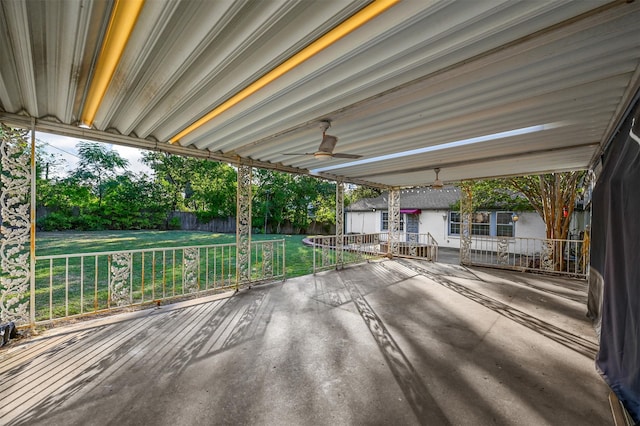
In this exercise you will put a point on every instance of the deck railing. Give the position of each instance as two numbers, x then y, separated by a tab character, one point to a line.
361	247
415	245
566	257
69	285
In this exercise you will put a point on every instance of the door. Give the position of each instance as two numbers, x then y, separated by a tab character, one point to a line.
412	227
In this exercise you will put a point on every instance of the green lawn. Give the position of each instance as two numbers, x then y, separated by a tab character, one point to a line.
299	258
157	267
75	285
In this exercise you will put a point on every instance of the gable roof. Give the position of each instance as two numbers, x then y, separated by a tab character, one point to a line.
416	198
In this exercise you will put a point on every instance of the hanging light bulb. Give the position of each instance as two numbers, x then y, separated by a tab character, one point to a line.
437	184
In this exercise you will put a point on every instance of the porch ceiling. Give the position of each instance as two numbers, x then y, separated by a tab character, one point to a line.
420	75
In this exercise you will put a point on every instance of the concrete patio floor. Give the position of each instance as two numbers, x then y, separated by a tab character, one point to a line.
388	342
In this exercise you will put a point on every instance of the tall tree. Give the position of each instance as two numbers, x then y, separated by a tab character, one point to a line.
97	165
297	199
359	192
553	196
200	185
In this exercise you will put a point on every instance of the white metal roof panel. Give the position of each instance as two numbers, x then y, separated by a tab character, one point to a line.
421	74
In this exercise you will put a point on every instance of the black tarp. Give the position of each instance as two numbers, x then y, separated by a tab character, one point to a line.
614	283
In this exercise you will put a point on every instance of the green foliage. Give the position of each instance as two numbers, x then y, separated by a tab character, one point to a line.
192	184
550	195
360	192
174	223
299	256
97	166
55	222
496	194
99	194
205	216
282	197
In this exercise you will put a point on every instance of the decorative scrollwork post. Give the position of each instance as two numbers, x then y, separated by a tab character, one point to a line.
190	264
503	251
394	221
243	225
339	224
267	260
15	214
325	251
547	256
412	239
120	265
466	213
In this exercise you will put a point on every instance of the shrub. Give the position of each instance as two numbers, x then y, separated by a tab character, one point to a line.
55	221
174	224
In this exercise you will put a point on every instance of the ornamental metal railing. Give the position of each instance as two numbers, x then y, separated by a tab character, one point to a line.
363	247
70	285
565	257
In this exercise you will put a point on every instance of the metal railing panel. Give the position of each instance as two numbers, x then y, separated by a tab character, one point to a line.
362	247
566	257
69	285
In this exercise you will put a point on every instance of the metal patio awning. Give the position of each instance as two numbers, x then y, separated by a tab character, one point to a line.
477	89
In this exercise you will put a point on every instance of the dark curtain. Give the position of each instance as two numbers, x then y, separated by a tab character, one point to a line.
614	287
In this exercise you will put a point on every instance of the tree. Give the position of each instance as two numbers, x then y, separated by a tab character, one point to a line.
200	185
282	197
134	202
495	194
360	192
97	165
553	196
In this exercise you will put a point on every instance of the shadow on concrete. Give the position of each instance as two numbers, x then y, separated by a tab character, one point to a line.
389	342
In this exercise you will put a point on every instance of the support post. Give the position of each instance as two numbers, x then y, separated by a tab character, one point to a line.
394	222
243	226
466	216
15	262
32	245
339	224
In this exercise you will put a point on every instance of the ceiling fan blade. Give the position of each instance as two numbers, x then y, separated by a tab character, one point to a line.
297	153
339	155
328	143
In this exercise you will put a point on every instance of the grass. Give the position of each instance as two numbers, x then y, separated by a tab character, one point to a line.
298	256
80	284
72	286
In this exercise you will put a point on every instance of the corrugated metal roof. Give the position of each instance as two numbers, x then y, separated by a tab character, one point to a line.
421	74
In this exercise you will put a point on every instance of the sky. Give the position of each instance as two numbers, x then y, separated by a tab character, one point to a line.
65	148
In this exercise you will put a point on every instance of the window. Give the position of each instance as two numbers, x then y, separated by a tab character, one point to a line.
454	223
385	221
481	223
504	224
484	223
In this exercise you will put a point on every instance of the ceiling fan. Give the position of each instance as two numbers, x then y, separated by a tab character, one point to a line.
325	150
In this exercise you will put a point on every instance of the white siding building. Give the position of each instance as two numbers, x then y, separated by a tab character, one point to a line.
427	210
